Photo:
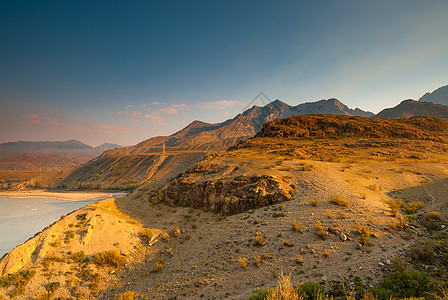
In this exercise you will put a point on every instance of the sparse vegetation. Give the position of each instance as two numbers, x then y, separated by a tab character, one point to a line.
412	207
78	256
111	258
243	261
296	226
432	220
128	296
321	231
159	266
259	239
395	205
364	232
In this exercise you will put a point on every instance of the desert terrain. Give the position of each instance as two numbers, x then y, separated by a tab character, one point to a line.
337	208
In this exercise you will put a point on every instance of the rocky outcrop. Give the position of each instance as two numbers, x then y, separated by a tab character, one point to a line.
224	195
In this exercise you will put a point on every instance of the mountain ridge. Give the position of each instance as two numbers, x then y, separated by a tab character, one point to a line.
47	155
439	96
146	159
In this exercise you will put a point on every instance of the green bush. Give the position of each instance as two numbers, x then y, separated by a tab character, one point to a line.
259	294
423	252
403	284
310	290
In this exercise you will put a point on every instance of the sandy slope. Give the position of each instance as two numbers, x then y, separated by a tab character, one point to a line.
201	255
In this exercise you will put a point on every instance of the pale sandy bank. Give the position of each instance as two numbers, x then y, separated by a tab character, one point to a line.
68	196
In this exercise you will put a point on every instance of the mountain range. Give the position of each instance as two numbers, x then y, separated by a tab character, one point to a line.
146	160
47	156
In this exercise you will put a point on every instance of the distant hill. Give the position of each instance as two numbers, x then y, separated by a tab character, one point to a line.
410	108
47	156
146	161
203	136
439	96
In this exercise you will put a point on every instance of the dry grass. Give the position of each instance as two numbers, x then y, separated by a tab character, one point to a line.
364	232
412	207
395	205
159	266
321	231
284	290
128	296
296	226
243	262
259	239
111	258
258	261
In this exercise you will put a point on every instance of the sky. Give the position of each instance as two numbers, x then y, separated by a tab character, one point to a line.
125	71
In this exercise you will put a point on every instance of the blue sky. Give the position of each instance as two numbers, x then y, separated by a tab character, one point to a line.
124	71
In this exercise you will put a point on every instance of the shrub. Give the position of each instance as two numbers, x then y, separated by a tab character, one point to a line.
78	256
313	202
432	220
403	284
258	261
364	232
296	226
259	294
412	207
165	237
52	287
259	239
311	290
159	266
320	230
398	264
423	251
111	258
339	200
243	262
395	205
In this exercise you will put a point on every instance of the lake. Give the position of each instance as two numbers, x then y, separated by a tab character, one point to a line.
22	218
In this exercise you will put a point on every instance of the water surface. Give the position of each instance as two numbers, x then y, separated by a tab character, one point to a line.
21	218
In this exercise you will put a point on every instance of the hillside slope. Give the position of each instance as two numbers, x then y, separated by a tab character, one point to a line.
318	207
190	144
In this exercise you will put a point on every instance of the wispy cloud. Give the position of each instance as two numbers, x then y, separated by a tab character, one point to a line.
158	116
45	121
221	104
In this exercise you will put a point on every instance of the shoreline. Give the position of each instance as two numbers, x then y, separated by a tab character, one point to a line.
67	196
